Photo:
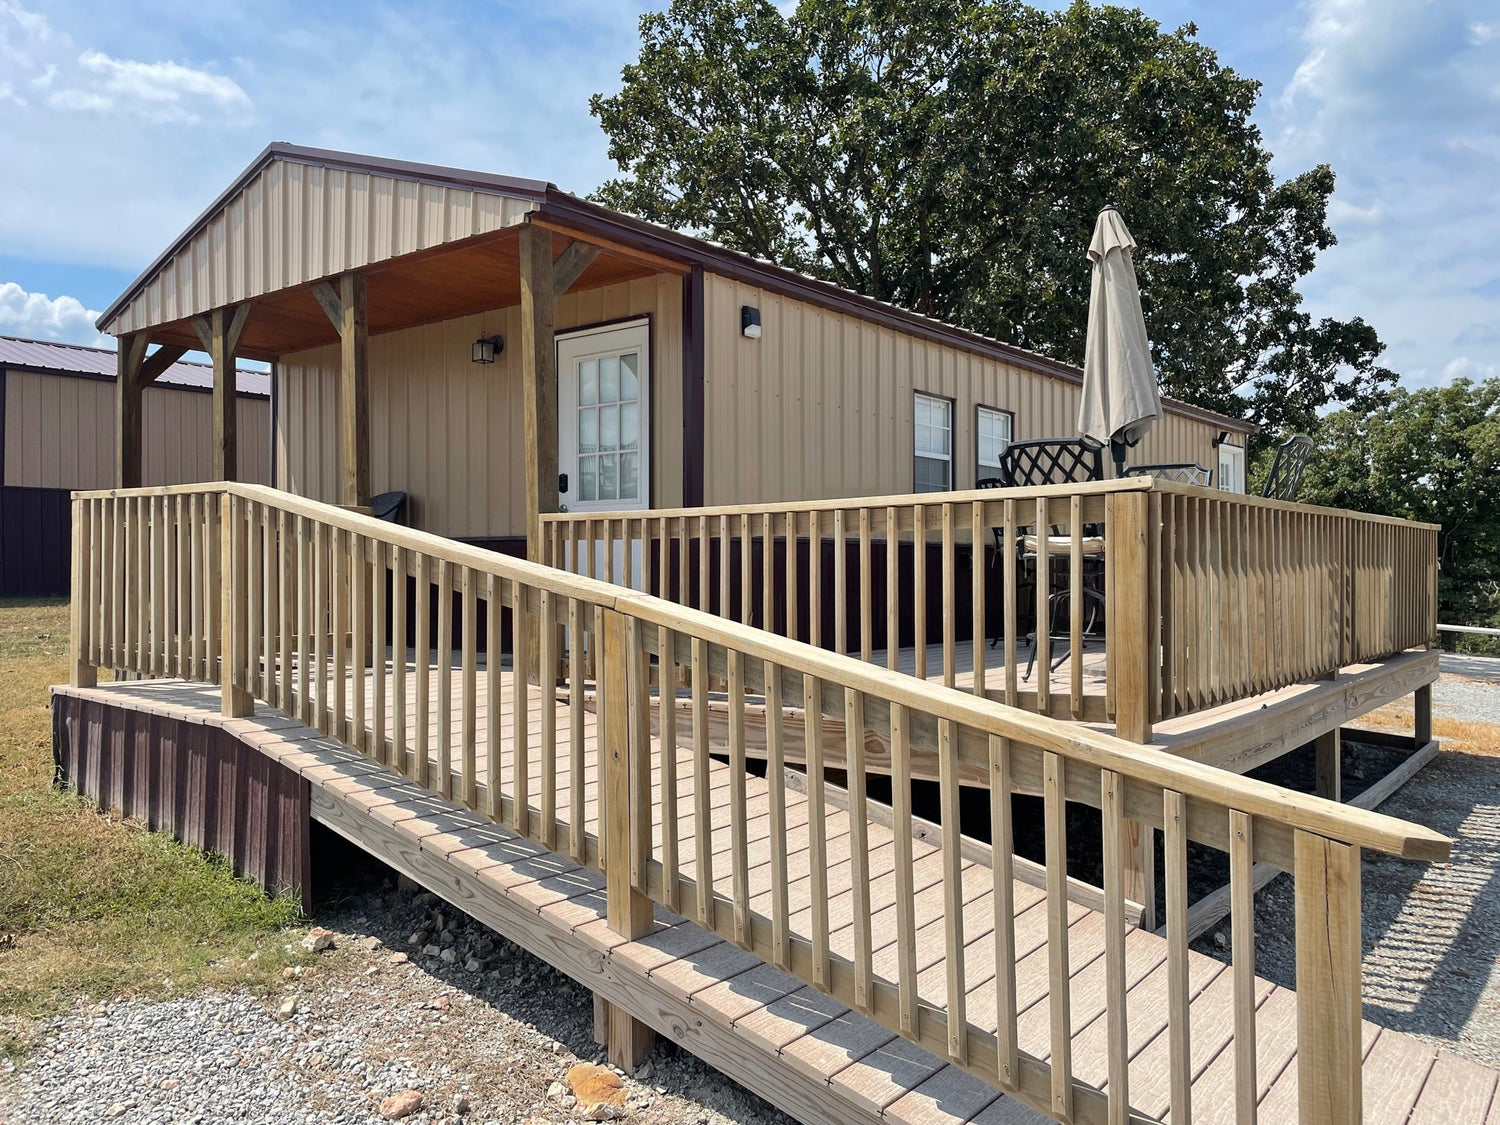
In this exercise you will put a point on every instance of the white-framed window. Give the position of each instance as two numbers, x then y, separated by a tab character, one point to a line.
992	436
933	471
1232	468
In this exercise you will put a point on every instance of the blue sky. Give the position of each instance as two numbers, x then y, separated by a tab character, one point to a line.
119	123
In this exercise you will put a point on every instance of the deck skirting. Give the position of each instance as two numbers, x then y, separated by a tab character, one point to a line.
194	781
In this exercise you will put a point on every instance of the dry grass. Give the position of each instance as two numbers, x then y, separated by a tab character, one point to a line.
1459	737
90	906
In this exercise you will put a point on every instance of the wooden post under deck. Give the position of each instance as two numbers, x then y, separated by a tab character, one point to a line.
629	912
1329	765
1132	657
538	380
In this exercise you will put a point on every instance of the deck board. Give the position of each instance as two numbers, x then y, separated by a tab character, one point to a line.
693	976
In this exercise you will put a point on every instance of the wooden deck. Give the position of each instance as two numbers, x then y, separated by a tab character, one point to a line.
795	1046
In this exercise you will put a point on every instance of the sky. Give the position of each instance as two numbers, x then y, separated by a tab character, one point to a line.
120	122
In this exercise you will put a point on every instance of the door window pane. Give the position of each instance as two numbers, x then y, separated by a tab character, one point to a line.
588	430
609	486
609	428
609	379
630	477
588	478
588	382
629	381
630	425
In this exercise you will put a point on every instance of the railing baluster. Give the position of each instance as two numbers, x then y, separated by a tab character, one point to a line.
270	607
977	572
359	601
399	563
494	684
444	701
906	907
340	677
577	762
667	722
953	893
547	683
866	598
817	826
950	631
1112	804
290	589
738	816
1059	976
892	591
1042	652
703	862
746	540
1012	602
859	848
1075	608
840	582
1242	960
638	708
781	944
1179	1029
768	573
1003	886
815	579
793	575
521	707
919	589
469	689
422	661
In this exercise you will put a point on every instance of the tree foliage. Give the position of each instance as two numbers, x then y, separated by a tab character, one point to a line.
1430	455
950	156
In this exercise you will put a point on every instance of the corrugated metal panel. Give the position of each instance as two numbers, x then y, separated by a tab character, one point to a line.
196	782
60	433
821	405
294	222
447	431
102	361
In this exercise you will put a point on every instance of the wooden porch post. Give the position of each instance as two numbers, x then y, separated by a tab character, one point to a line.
628	911
129	358
1131	655
1329	1048
538	380
220	333
346	307
1329	766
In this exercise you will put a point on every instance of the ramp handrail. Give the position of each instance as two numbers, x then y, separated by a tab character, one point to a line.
297	603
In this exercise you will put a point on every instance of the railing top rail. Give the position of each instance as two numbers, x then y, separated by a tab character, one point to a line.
1179	489
847	503
1143	763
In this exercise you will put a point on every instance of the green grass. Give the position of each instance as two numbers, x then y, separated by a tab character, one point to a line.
92	906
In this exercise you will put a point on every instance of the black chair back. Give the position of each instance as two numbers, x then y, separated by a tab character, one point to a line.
1051	461
1285	478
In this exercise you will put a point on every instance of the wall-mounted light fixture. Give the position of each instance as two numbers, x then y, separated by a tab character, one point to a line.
750	322
486	348
1221	439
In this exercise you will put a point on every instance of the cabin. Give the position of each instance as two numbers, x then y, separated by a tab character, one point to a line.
57	434
870	785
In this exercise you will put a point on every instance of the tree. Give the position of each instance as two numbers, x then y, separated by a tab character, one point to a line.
1430	455
950	156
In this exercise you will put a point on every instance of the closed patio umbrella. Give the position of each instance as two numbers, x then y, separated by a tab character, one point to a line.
1120	397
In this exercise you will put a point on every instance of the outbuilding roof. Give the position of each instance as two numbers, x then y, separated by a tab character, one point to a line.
80	359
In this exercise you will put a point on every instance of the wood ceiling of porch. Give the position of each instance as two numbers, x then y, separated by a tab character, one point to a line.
422	288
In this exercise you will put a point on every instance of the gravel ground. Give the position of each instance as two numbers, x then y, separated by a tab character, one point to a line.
355	1028
1472	696
1431	931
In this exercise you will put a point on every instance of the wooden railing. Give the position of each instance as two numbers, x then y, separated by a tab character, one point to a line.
372	634
1161	599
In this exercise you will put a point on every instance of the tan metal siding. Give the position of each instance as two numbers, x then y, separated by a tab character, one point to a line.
60	433
447	431
295	223
821	405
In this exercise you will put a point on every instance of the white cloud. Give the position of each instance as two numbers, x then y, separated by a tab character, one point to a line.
1462	367
163	92
47	318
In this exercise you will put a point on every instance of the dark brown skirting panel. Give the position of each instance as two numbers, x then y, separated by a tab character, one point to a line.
198	783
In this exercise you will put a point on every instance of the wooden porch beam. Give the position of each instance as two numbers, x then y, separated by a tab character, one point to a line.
619	249
538	380
571	263
129	358
347	308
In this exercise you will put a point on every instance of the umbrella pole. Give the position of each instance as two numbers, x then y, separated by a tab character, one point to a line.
1117	451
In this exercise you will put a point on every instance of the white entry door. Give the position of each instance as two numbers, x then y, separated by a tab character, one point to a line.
604	424
1231	468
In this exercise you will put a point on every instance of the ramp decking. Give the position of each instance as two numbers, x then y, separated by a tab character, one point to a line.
802	1050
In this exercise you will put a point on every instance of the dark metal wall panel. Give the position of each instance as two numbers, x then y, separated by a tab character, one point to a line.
36	526
197	783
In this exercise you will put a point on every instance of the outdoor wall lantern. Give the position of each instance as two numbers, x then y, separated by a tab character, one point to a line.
750	322
486	348
1221	439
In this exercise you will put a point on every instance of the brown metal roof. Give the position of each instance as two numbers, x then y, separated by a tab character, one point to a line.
564	208
78	359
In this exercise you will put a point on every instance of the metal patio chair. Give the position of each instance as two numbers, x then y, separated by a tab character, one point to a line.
1284	480
1187	473
1052	461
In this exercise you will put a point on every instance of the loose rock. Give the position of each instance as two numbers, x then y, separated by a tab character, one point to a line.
404	1104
